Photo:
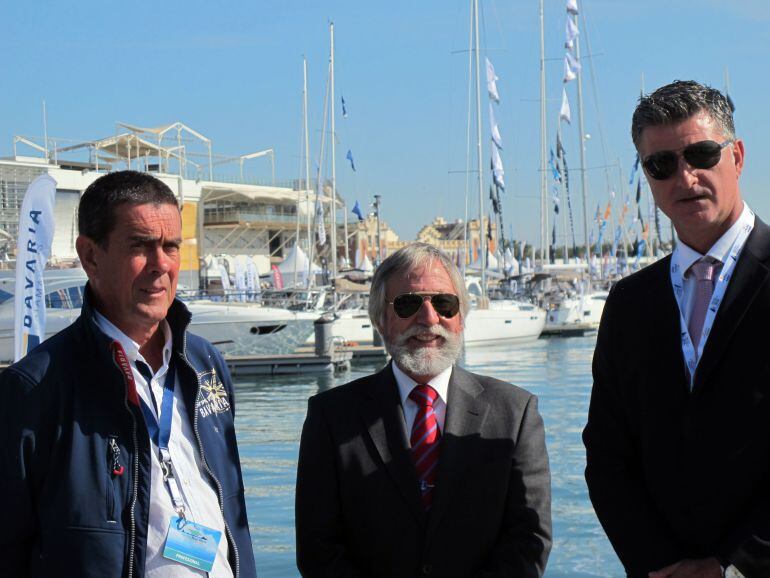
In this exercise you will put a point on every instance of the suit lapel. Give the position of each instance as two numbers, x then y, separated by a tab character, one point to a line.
749	275
384	420
664	316
466	411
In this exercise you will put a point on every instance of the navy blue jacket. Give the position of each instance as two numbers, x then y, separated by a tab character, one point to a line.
67	426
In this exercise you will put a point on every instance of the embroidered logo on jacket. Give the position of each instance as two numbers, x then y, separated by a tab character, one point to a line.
213	395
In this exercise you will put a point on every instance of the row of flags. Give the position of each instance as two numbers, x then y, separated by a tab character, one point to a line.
496	162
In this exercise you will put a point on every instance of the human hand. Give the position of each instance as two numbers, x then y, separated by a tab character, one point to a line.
701	568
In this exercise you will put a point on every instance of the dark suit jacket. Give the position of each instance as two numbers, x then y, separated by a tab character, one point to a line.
676	474
358	510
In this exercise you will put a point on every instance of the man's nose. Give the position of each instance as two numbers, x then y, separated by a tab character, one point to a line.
158	261
427	315
685	174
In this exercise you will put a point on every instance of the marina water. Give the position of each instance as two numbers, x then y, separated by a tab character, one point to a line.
270	412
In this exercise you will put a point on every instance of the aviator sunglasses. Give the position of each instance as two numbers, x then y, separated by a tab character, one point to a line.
699	155
407	304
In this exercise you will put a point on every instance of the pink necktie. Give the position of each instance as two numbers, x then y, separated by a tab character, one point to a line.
703	271
425	440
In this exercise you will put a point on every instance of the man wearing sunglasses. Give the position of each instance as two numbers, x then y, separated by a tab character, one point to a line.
678	433
423	468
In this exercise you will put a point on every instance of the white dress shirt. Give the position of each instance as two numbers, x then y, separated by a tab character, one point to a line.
405	386
201	501
685	256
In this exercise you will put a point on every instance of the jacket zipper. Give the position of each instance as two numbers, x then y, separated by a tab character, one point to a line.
115	469
220	493
135	488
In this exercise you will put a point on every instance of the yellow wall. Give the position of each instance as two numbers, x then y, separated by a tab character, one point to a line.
189	237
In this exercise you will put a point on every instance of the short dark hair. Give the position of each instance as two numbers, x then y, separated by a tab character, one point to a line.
96	212
678	101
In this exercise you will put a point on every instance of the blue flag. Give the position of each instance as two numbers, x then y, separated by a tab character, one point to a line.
633	171
349	156
357	211
344	109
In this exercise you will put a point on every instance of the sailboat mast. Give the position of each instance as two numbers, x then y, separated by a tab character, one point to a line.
307	166
545	256
482	237
334	165
583	177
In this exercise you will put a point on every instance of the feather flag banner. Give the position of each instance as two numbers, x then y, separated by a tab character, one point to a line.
492	81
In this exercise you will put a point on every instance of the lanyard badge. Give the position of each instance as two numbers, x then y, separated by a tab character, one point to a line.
692	357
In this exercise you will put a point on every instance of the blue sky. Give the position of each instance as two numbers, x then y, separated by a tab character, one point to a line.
233	71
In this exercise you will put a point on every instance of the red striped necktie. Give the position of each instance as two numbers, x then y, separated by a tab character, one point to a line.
425	440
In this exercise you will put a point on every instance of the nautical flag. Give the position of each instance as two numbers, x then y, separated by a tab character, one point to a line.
569	74
357	211
319	217
633	170
615	241
492	81
554	169
572	7
598	215
556	200
496	138
564	113
495	200
638	191
574	63
571	33
553	241
36	229
498	173
349	156
344	108
489	233
608	210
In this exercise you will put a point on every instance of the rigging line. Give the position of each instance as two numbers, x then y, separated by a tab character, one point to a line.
468	139
595	98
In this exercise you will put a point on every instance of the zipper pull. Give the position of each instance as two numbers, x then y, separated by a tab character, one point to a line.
117	468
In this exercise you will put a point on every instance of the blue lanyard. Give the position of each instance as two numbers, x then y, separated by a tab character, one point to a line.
160	431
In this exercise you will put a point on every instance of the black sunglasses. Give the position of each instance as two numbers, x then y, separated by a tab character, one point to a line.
407	304
699	155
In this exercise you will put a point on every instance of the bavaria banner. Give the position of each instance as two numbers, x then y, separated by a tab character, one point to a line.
36	227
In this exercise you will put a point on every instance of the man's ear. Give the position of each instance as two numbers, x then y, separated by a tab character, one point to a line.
86	248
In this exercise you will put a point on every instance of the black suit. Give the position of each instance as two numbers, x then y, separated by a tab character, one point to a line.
675	474
358	505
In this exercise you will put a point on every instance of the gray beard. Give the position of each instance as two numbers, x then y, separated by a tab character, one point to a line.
425	360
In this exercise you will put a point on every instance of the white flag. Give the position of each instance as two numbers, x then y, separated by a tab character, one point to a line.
564	113
496	138
571	34
569	73
319	217
36	228
498	173
492	81
574	63
572	7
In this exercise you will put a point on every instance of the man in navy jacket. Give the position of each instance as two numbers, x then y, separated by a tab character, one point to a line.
116	435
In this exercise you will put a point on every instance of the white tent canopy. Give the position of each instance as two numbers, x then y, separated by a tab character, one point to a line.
297	261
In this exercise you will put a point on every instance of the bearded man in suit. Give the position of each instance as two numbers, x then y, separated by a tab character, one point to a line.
678	433
423	468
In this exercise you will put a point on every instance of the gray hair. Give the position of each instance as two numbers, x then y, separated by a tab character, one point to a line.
402	262
679	101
